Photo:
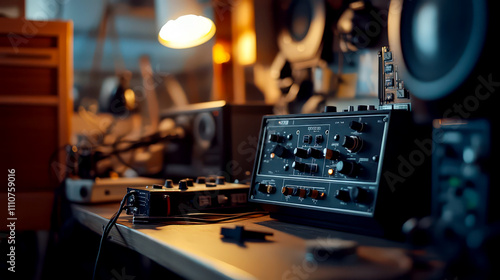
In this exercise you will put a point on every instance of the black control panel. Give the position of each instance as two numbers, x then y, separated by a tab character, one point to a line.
187	196
343	170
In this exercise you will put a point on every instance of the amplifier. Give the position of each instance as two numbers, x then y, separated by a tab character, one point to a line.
188	196
220	139
360	171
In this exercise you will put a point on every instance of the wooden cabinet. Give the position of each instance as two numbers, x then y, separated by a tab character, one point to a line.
36	79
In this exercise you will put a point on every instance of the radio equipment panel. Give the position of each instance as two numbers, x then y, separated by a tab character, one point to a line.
348	170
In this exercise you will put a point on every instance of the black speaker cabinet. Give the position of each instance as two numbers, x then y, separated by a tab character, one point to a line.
449	55
219	139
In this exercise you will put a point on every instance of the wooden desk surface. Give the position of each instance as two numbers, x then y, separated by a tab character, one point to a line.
195	251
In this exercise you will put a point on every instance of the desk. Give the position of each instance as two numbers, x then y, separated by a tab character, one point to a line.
198	251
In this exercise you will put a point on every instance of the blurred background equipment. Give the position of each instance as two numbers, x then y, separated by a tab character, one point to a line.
220	139
466	226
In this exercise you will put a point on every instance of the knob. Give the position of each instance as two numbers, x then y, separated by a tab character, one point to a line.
201	180
319	139
348	168
330	109
281	151
315	153
343	195
299	166
356	126
169	183
360	195
157	186
189	182
362	107
287	190
352	143
270	189
183	184
299	152
220	180
313	168
302	193
331	154
315	194
276	138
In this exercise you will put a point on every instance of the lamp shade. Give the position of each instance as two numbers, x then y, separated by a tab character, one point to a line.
183	24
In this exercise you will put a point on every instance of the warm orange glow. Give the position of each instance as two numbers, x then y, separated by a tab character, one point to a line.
129	99
186	31
246	47
219	54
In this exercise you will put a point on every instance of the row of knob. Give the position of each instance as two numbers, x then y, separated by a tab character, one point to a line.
348	168
352	143
354	194
184	184
294	191
354	125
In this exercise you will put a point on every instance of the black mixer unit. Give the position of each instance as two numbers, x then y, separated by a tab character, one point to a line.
220	139
188	196
363	171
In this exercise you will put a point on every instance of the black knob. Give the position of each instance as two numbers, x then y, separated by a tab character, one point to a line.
299	166
183	184
169	183
348	168
356	126
311	167
360	195
281	151
362	107
220	180
315	153
270	189
330	109
343	195
201	180
331	154
276	138
299	152
352	143
189	182
319	139
157	186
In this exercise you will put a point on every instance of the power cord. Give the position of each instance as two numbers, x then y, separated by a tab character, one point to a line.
190	218
108	228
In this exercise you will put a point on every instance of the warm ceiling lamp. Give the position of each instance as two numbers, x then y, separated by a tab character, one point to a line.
186	31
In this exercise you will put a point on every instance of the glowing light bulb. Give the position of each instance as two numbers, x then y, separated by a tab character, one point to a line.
186	31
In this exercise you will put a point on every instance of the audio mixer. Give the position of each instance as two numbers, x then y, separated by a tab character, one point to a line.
357	171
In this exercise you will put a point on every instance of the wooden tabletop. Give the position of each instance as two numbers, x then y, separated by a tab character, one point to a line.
195	251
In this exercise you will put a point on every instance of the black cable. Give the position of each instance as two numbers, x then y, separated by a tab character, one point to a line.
108	228
190	217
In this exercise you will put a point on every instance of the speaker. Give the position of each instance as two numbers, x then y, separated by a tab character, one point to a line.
219	139
448	56
305	32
